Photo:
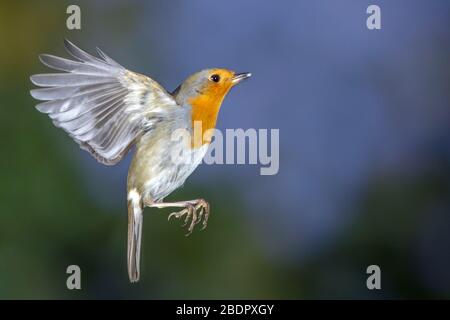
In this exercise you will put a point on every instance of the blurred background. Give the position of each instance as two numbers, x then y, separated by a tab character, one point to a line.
364	119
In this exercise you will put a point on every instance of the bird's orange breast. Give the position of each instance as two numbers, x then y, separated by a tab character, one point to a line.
205	108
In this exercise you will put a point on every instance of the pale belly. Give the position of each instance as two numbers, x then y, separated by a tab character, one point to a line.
160	166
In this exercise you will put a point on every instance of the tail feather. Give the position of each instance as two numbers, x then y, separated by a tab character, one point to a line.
135	219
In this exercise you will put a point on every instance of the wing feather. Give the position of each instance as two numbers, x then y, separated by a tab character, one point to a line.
67	65
55	93
100	104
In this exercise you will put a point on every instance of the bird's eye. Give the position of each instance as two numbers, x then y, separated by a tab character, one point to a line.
215	78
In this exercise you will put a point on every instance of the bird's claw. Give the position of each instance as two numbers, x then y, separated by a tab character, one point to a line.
196	211
177	215
204	213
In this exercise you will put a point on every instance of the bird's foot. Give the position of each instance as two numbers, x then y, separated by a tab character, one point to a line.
195	211
203	206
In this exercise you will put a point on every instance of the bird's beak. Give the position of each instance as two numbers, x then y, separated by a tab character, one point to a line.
238	77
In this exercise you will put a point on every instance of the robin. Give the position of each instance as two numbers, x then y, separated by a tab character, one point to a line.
107	109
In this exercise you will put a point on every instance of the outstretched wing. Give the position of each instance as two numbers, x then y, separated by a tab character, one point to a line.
100	104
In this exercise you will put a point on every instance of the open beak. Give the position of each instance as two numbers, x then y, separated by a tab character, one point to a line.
238	77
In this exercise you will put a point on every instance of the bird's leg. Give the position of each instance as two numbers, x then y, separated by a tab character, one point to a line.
196	210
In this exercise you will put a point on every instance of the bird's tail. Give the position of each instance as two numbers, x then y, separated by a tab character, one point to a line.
135	219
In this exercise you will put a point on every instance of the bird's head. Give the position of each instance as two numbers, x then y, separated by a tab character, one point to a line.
204	92
210	84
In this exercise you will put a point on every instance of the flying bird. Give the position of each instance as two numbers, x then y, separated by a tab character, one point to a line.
107	109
